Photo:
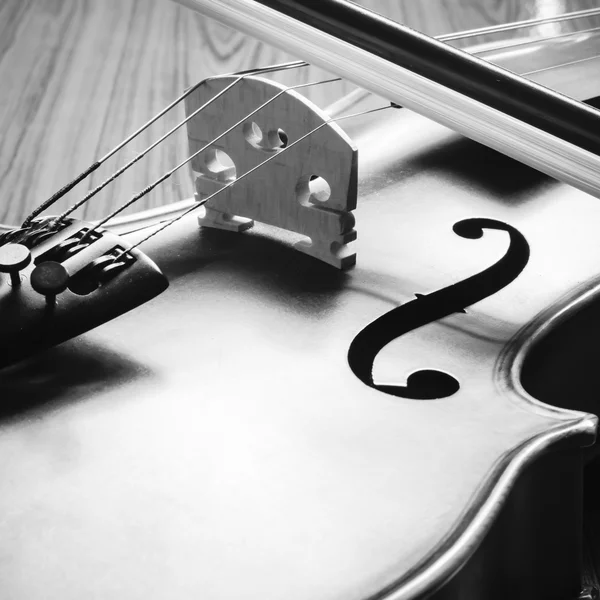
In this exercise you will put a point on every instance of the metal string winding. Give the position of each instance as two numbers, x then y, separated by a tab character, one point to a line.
143	153
69	186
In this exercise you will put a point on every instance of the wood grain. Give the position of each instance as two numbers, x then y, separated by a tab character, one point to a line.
80	75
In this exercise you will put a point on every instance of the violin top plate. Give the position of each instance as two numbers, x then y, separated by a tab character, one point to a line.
215	443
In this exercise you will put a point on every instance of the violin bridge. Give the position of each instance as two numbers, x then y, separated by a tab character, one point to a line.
61	282
309	187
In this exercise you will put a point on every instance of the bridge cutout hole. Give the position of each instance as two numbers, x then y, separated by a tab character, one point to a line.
312	189
278	139
220	165
272	141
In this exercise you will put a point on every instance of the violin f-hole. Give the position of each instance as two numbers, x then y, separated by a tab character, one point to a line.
429	384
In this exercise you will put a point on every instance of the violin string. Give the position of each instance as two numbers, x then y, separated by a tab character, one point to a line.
168	174
552	37
463	35
566	64
69	186
246	174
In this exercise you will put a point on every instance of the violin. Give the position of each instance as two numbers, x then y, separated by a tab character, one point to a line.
357	364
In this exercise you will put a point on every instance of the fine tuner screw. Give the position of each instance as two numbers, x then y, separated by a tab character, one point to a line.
49	279
13	259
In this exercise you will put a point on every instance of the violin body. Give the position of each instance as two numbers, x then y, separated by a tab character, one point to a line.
215	442
273	427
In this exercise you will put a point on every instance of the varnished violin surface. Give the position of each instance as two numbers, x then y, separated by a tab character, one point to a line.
257	430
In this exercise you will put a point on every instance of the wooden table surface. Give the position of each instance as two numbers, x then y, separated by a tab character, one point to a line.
80	75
